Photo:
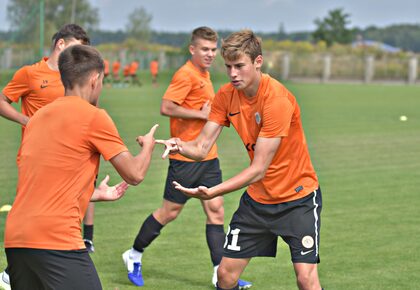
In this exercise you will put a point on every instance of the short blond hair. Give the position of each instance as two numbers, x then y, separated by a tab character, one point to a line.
205	33
239	43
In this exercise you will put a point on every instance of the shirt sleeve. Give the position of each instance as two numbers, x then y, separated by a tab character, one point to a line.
276	117
18	86
218	113
104	137
179	88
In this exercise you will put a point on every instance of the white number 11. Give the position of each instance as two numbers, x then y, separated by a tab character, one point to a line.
235	235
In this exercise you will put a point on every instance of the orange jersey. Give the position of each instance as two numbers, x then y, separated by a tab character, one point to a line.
59	161
106	67
126	70
154	67
272	113
116	65
133	67
36	85
189	88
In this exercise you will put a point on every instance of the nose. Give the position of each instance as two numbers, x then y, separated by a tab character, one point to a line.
233	73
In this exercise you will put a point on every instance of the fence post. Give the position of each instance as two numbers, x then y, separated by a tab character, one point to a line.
6	58
369	68
412	70
286	67
326	72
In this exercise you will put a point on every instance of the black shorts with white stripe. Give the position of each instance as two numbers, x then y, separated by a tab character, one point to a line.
255	228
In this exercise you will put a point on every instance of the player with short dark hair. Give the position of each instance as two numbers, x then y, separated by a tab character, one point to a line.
59	160
283	197
36	86
187	102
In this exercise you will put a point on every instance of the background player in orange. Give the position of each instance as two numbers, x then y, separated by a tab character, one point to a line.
134	66
283	196
154	70
126	73
187	102
106	71
57	169
38	85
116	65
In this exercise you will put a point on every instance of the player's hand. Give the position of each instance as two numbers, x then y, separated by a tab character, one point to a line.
171	146
200	192
148	140
104	192
205	110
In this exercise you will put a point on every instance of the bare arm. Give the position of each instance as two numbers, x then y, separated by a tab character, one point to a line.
171	109
265	149
199	148
133	168
9	112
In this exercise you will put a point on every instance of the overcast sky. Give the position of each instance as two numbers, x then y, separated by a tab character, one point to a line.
259	15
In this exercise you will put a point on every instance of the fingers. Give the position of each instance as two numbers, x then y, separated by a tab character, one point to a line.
153	130
166	152
160	141
105	180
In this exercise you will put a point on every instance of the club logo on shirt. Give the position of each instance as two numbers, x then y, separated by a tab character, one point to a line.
257	118
44	84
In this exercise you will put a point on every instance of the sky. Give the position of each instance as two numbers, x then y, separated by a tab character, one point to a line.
258	15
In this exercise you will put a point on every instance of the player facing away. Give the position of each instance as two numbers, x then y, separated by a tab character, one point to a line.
66	139
36	86
282	196
187	102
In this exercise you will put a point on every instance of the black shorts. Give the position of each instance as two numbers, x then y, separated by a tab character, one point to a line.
190	174
255	227
51	269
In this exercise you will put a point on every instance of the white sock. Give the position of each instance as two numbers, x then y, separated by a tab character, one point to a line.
135	255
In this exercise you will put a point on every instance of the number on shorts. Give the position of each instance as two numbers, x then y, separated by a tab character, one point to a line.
235	236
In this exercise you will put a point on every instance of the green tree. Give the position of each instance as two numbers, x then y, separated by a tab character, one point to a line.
138	25
333	28
24	17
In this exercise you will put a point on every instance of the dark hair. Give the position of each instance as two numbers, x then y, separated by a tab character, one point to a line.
77	62
203	32
71	31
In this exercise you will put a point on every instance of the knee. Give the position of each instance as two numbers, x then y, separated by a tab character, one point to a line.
164	215
307	280
215	213
225	278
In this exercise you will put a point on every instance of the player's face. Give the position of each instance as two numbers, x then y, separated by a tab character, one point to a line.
245	74
203	53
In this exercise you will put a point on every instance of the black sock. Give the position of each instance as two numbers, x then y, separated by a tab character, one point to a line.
234	288
215	236
88	232
7	270
149	231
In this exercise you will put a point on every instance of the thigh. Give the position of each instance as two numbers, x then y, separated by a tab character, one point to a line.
20	271
300	228
248	235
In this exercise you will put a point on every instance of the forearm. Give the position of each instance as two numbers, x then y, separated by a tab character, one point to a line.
193	149
142	162
171	109
9	112
246	177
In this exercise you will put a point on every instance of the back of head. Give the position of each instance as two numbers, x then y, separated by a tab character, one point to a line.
203	32
71	31
76	63
240	43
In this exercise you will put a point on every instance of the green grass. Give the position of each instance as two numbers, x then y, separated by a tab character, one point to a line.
369	168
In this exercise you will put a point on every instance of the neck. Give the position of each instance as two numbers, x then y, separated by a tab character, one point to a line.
52	61
252	89
79	92
203	70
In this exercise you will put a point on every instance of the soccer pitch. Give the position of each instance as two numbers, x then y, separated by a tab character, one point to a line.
367	160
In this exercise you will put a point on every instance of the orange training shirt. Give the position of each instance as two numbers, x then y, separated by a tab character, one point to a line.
272	113
154	67
37	85
133	67
59	161
189	88
116	65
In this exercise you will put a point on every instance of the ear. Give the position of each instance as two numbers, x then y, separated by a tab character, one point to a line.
258	62
191	49
60	45
93	80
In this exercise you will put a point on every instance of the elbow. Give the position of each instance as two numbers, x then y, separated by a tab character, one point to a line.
134	180
258	175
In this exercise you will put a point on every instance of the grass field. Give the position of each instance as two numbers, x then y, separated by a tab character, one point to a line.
368	163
